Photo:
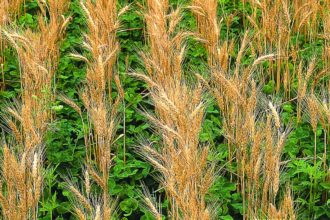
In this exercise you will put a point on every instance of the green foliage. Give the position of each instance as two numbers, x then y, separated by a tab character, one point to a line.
128	206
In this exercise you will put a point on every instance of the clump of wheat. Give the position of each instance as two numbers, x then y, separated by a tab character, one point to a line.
324	113
286	210
319	114
271	34
38	54
21	183
102	45
303	83
8	11
179	107
239	100
313	111
306	14
151	204
208	28
274	23
326	33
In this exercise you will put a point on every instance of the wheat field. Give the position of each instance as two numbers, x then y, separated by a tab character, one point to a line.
164	109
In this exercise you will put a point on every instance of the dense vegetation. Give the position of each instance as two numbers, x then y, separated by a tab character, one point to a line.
144	109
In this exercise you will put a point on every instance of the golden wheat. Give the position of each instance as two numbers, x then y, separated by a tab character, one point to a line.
186	174
102	45
38	54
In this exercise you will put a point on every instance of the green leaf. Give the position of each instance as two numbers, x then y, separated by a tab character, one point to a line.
325	185
226	217
57	107
269	88
128	206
